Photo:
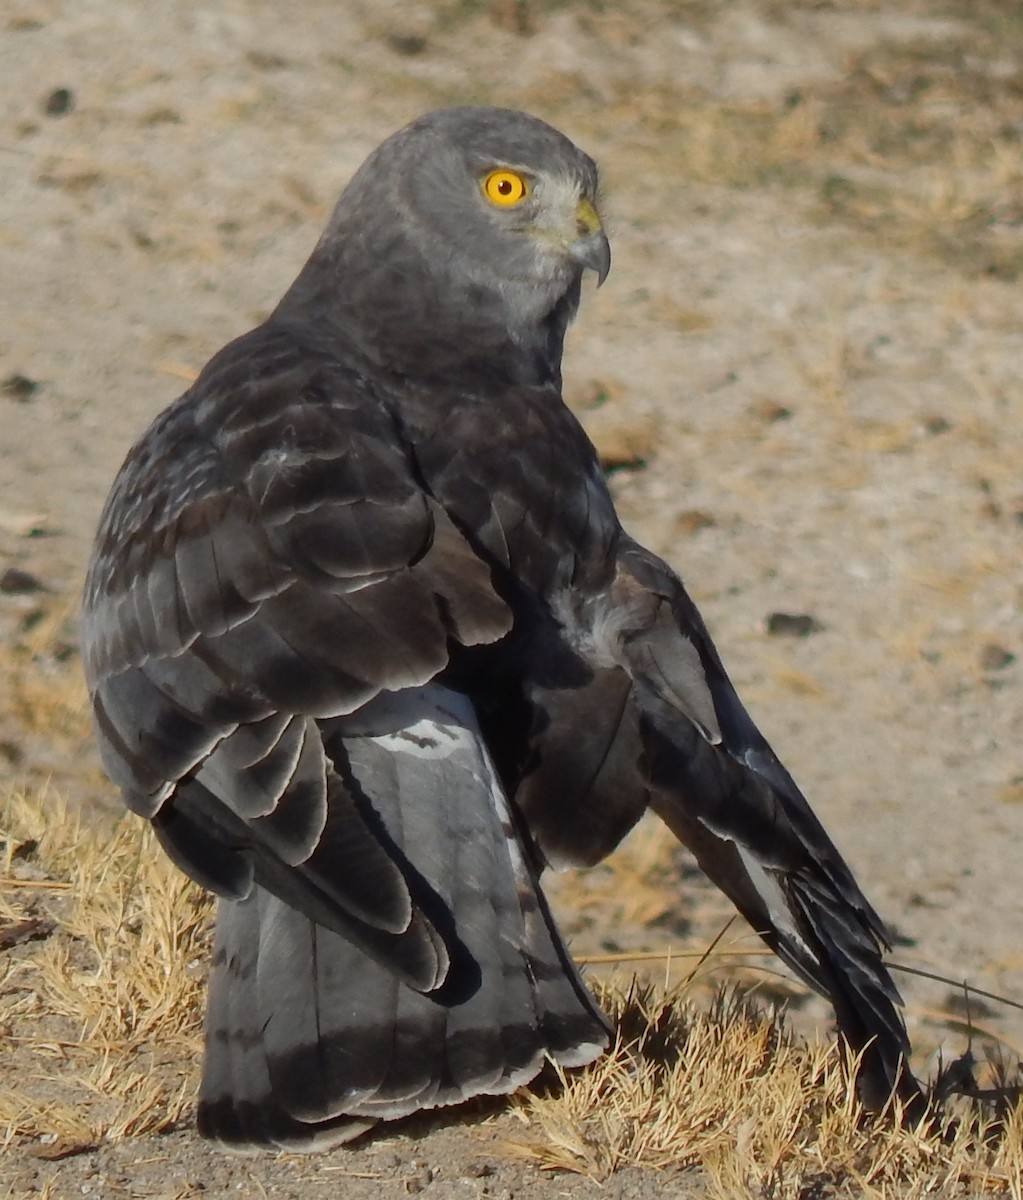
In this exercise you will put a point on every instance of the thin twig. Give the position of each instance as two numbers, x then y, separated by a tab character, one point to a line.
53	884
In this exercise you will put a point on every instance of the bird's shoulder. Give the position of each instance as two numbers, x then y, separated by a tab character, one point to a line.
281	464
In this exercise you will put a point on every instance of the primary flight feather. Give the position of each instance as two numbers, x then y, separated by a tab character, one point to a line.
367	644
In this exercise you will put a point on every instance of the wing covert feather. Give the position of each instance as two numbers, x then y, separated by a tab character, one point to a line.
268	558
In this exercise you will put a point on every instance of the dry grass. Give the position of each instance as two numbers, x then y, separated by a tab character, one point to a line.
941	174
730	1091
101	1001
101	987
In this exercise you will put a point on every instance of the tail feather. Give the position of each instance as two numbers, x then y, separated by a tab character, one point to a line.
236	1103
310	1038
314	1031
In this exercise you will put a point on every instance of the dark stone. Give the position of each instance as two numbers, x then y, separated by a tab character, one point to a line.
995	658
19	387
780	624
59	102
16	582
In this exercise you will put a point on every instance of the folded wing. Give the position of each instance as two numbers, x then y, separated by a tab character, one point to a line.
713	779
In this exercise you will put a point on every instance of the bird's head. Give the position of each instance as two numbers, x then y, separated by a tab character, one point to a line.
519	197
471	224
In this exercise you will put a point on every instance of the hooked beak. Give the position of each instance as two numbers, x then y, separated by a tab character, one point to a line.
592	248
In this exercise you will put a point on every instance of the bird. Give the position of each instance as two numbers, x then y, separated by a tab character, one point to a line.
368	645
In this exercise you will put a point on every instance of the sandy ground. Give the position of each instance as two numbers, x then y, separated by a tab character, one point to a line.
806	357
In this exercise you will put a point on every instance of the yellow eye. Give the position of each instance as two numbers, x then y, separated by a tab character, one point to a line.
505	188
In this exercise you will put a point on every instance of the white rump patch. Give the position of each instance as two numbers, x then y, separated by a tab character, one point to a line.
425	738
430	722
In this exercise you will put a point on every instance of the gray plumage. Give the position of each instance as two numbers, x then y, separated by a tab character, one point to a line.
367	644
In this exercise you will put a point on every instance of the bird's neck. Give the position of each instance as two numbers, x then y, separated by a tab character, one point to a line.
471	336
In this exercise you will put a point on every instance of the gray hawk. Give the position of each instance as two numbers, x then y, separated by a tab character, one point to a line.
367	644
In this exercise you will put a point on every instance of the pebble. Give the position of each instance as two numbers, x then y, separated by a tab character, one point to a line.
780	624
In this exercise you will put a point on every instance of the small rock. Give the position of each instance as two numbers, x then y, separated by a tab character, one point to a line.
780	624
935	424
408	44
19	387
995	658
59	102
16	582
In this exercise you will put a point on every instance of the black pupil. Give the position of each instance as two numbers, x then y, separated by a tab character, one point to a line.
505	187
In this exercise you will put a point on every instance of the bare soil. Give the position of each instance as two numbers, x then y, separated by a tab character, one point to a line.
802	374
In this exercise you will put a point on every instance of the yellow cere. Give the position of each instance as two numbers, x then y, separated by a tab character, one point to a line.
505	188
